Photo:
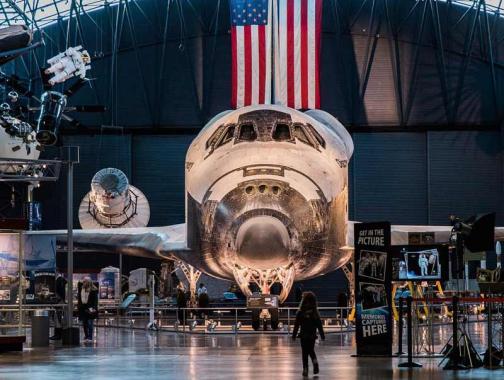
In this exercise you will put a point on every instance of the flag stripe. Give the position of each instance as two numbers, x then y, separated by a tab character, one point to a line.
254	34
248	64
240	92
297	54
282	46
304	54
262	62
318	29
290	53
311	52
234	73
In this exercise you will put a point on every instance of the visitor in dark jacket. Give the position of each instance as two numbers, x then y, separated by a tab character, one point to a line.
181	304
87	305
307	323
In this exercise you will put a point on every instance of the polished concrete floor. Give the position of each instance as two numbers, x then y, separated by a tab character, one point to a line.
136	354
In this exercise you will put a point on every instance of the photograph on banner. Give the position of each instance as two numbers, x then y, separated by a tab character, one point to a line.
373	296
373	312
9	268
373	264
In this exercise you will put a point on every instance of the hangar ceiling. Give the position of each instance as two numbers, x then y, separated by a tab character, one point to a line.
164	65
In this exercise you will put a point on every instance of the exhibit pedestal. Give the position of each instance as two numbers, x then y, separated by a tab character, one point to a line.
71	336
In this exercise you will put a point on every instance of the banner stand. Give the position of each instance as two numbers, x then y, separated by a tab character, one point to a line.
373	293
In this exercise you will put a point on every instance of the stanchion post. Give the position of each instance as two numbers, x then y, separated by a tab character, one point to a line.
288	320
490	332
183	319
409	363
400	328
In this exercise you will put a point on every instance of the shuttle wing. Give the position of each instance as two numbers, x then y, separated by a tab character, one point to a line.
151	242
400	233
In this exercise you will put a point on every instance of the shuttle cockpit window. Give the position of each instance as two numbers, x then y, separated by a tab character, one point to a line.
317	136
282	132
215	137
301	134
247	132
227	135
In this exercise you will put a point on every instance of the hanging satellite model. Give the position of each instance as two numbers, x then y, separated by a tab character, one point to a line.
19	139
113	202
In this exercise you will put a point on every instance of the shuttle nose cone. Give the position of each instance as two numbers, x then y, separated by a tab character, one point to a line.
263	243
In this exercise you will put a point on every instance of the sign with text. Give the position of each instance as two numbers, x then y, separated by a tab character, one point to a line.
373	289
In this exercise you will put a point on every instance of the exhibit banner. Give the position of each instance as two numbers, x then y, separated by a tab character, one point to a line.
373	304
40	253
9	267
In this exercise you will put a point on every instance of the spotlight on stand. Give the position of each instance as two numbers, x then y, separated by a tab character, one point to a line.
477	232
52	106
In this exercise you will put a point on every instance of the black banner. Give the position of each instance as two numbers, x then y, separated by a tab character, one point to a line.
372	273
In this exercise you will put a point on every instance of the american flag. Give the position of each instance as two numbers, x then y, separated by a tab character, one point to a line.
251	52
297	51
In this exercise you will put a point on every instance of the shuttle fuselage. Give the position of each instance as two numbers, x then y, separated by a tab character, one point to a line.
267	194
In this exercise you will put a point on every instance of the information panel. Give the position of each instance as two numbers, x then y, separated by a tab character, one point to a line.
373	289
262	301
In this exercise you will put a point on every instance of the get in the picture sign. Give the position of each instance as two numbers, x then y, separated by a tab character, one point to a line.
373	289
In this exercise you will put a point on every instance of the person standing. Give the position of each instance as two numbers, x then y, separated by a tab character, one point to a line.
307	323
60	292
203	300
202	290
181	304
87	305
298	295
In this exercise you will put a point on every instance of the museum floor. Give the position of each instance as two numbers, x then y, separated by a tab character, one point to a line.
137	354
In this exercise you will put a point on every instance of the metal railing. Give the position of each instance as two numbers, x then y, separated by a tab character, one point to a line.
173	319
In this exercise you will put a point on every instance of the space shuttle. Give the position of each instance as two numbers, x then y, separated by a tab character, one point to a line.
266	192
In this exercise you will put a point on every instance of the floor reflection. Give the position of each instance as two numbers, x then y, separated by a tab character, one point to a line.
137	354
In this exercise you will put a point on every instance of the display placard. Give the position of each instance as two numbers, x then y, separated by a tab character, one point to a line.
419	262
262	301
373	289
